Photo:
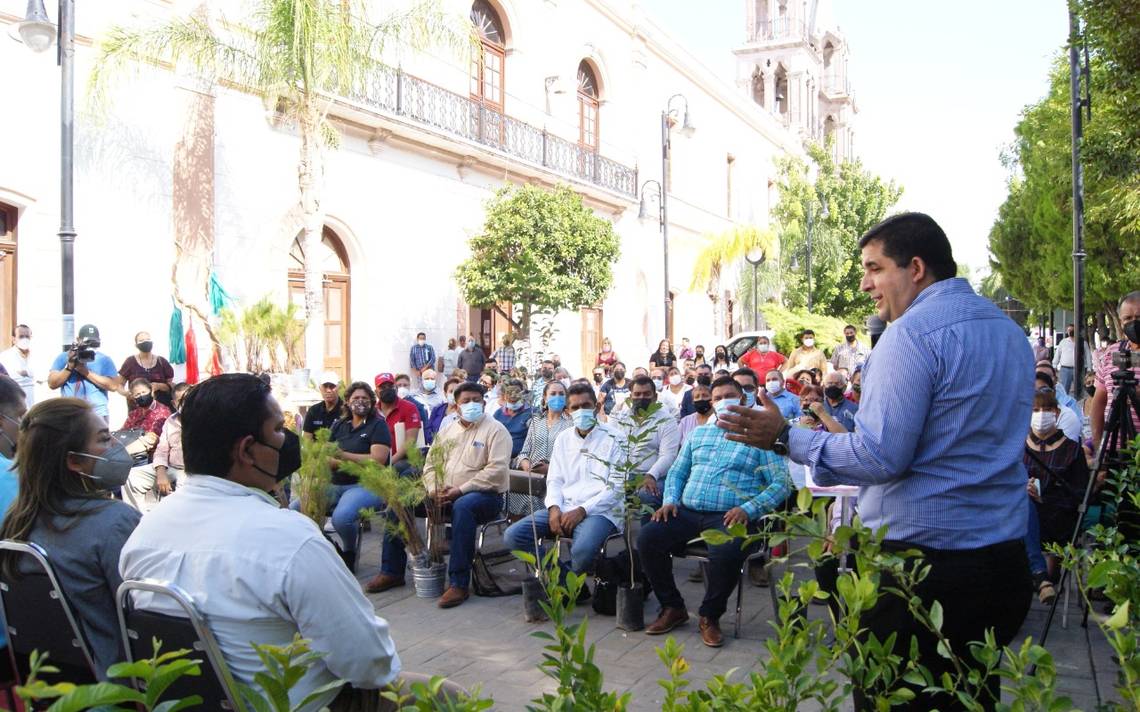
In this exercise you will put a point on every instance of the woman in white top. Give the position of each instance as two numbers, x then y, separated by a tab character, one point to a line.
673	392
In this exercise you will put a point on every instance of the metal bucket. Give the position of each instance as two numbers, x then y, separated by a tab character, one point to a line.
429	580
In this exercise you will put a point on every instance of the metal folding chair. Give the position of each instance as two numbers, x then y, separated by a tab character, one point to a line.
699	551
191	631
37	616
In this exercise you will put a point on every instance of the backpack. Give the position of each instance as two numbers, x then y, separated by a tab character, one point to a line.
611	573
497	573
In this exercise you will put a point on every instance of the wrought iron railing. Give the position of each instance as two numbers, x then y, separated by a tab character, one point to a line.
423	102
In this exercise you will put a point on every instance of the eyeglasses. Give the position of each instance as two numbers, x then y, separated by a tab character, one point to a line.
359	400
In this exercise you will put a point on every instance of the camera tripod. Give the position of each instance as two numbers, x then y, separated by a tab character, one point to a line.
1119	431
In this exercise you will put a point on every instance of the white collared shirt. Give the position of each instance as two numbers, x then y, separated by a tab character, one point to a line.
582	473
262	574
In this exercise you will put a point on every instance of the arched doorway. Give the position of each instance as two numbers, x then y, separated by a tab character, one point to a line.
8	217
333	262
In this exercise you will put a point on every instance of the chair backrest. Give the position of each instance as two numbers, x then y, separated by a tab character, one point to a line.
37	616
190	631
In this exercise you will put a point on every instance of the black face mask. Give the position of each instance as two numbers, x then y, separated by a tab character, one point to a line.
288	456
702	406
144	401
851	339
388	396
618	375
597	378
1091	389
547	374
145	346
1132	331
640	404
690	380
833	392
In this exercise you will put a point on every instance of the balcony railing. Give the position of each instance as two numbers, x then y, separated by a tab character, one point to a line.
425	103
782	28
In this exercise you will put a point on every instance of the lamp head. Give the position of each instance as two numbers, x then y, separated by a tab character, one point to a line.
687	128
755	256
36	31
643	210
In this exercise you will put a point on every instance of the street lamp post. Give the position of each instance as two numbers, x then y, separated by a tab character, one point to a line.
755	257
668	117
37	32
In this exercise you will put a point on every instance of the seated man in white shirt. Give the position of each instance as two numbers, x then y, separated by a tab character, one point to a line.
258	573
583	489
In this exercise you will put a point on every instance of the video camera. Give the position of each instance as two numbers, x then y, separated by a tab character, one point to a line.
1126	360
83	350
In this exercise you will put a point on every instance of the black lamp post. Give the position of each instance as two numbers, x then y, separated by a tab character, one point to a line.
668	118
37	32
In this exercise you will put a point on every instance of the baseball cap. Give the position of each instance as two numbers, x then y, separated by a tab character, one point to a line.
382	378
89	331
329	377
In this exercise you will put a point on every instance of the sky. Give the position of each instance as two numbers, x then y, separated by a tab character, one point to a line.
939	87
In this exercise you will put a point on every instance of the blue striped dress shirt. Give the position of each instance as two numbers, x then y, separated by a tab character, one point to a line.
947	395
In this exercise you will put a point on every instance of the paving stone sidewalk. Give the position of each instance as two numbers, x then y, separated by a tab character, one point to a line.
485	642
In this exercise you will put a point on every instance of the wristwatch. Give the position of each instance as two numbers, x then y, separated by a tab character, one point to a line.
780	444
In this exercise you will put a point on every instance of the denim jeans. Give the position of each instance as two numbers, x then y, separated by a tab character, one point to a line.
1033	542
1067	373
346	501
658	540
467	513
588	538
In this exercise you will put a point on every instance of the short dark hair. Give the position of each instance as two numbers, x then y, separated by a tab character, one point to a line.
643	381
139	382
705	365
218	412
909	235
420	333
727	381
180	388
1042	376
583	389
805	332
17	327
11	394
468	386
747	372
850	326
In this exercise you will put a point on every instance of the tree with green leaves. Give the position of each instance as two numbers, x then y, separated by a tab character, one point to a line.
725	250
297	55
543	251
856	199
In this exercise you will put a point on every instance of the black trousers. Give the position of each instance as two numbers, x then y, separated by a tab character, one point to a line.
981	588
658	540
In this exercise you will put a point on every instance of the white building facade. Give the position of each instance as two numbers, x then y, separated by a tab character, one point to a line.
175	181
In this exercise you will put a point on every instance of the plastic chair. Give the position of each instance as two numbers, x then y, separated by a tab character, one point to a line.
699	551
139	627
37	616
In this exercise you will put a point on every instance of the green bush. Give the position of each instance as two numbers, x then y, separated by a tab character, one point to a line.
789	323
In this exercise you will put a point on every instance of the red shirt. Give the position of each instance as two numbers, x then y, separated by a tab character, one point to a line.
762	363
405	413
147	419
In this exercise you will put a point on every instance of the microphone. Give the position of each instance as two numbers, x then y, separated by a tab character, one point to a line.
875	327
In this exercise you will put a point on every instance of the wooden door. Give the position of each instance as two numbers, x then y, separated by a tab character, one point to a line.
337	309
591	338
7	270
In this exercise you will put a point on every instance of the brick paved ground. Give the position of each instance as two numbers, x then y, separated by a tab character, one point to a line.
485	642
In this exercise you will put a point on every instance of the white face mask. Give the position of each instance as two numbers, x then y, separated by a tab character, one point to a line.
763	348
23	343
402	392
1043	421
675	380
773	386
809	342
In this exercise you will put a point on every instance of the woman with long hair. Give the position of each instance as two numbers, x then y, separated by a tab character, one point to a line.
663	357
720	358
68	466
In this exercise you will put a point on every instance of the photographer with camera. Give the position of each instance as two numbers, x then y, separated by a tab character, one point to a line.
83	372
1129	313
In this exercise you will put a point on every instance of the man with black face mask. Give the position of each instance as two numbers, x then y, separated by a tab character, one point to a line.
655	455
403	419
256	571
837	406
545	375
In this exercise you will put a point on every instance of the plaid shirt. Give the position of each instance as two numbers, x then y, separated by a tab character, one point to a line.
715	474
506	358
422	356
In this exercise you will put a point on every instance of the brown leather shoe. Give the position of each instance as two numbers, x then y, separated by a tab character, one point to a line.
383	582
710	632
452	597
669	619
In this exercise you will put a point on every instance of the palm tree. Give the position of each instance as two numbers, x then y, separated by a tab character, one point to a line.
725	249
297	55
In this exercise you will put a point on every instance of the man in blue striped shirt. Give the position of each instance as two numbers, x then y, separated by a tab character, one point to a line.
937	450
713	484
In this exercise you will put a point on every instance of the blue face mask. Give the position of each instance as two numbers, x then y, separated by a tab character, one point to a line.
471	412
721	406
556	403
749	398
584	419
429	385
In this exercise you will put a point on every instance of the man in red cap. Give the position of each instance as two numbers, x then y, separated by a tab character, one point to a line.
397	410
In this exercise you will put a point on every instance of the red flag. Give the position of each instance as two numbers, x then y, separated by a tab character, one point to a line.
191	354
216	362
